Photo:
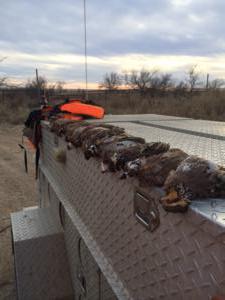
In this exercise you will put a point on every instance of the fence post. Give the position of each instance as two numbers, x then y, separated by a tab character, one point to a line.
105	98
207	81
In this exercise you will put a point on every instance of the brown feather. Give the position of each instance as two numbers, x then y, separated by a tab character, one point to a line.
157	167
197	178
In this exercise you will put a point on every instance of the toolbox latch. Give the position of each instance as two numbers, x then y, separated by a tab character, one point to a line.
146	211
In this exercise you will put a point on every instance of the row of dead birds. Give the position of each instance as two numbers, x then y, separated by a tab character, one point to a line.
178	176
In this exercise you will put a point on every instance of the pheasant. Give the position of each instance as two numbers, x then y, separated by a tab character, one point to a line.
71	127
97	136
89	135
76	136
194	178
155	169
58	126
129	160
83	133
110	148
69	131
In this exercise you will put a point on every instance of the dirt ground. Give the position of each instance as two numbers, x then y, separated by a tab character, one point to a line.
17	190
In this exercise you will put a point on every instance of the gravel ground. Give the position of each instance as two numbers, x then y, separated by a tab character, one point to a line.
17	190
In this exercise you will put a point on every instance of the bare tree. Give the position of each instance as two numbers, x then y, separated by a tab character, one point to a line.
32	83
141	80
155	82
166	81
216	84
54	88
181	89
3	80
58	86
111	81
181	86
44	87
193	78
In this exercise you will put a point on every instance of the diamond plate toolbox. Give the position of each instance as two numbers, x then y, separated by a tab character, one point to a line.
41	265
184	258
87	279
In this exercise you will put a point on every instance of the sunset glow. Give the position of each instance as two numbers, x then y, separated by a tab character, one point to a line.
170	36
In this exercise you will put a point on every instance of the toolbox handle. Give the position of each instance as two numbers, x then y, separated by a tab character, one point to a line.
82	282
142	219
146	211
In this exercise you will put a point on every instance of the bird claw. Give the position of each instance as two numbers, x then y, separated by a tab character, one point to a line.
178	206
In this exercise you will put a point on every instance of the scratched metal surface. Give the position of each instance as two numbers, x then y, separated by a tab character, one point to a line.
42	269
33	224
183	259
201	126
109	287
210	128
80	259
207	148
83	263
143	117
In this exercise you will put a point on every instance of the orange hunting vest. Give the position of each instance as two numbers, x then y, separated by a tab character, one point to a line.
78	108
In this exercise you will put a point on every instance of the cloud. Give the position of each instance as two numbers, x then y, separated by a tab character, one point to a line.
121	35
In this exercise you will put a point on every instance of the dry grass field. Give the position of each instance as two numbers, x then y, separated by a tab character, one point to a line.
208	105
17	190
205	104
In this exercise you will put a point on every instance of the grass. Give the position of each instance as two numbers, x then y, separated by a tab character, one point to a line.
13	114
209	105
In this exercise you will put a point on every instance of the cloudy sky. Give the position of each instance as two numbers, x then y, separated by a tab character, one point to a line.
170	35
